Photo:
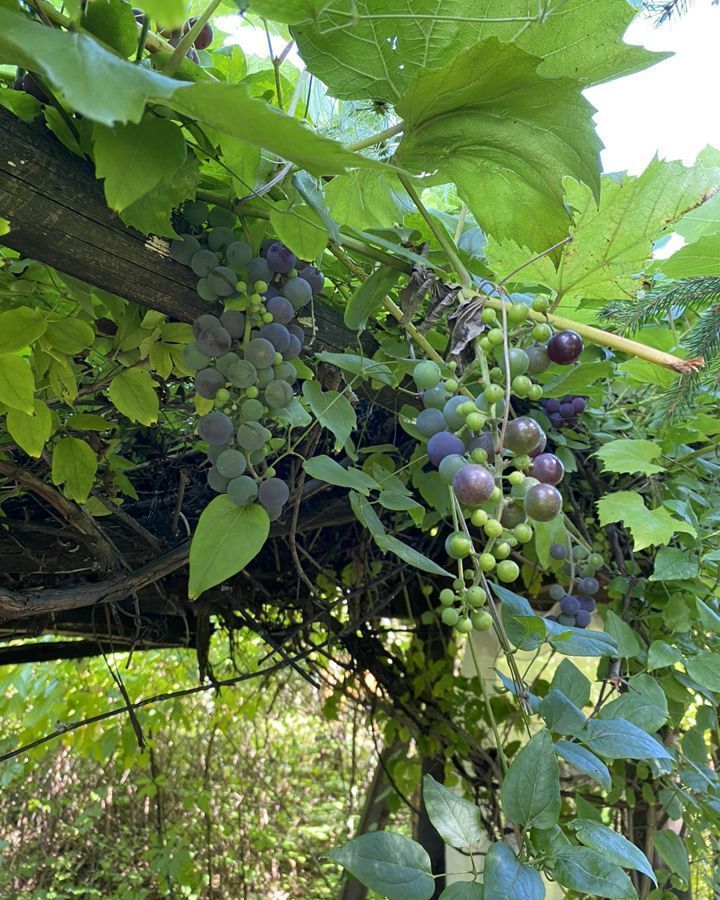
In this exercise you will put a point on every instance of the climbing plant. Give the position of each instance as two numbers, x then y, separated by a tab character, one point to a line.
429	172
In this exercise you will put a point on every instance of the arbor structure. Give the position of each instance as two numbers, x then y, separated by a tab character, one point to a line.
338	357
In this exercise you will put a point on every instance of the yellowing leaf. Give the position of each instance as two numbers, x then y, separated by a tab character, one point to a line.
133	393
227	538
74	465
647	526
30	431
630	456
17	383
19	328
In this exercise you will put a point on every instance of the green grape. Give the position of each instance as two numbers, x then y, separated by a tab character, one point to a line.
508	570
242	490
426	374
231	464
541	332
493	393
482	620
458	545
493	528
450	616
487	562
521	386
464	626
475	596
495	337
447	597
517	313
478	517
488	315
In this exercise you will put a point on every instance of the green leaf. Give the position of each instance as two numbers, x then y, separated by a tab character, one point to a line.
505	878
643	704
505	135
618	739
704	668
113	22
133	394
19	328
579	641
525	630
547	534
628	645
673	852
88	422
299	228
390	544
230	109
709	618
332	410
151	213
369	369
702	257
458	821
366	199
331	472
661	654
396	501
74	465
365	514
648	526
612	845
530	793
226	539
369	297
463	890
70	335
31	431
630	456
705	219
673	564
589	872
571	681
560	714
17	383
586	762
389	863
117	90
133	159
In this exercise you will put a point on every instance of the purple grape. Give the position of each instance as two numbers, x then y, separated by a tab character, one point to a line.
280	258
293	351
569	605
234	322
271	292
455	422
580	404
217	481
558	551
273	493
587	603
523	435
473	484
582	618
314	278
512	515
543	502
551	405
231	464
565	347
298	292
214	341
540	447
443	444
547	468
183	249
277	334
238	254
250	437
588	585
567	410
216	428
430	422
297	330
242	490
556	420
259	270
208	382
484	442
281	310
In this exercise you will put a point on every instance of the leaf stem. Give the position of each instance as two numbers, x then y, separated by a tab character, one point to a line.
376	138
186	41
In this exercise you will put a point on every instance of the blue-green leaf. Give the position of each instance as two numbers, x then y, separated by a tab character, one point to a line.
391	864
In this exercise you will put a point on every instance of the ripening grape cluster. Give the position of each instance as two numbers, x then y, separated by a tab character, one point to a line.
498	491
566	411
576	608
243	357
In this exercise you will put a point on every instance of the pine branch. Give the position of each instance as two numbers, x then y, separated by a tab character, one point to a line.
686	295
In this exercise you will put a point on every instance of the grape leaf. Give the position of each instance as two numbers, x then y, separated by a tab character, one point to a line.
150	214
630	456
389	543
505	135
704	668
702	257
647	526
113	22
368	199
674	564
19	328
326	469
299	228
333	410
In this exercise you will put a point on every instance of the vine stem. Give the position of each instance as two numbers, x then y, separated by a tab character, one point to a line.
376	138
488	707
447	245
178	54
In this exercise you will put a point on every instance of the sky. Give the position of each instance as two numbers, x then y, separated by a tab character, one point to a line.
670	109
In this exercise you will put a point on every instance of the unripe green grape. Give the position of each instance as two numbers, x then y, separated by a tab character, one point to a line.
452	365
535	393
541	304
482	620
517	313
508	570
479	517
493	393
267	317
523	533
496	375
512	540
493	528
541	332
521	385
240	287
464	626
458	584
595	560
478	455
579	552
517	359
496	494
426	374
488	315
475	596
457	545
222	396
475	421
451	385
516	478
501	550
485	345
260	287
447	597
464	409
252	392
450	616
487	562
495	336
270	472
522	462
468	575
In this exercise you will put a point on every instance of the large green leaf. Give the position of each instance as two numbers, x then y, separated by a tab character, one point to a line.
703	220
299	228
369	297
530	793
630	456
368	199
113	22
133	159
17	382
560	714
644	704
30	431
332	409
326	469
151	213
226	539
671	848
571	681
19	328
505	878
457	820
612	845
586	762
463	890
647	526
702	257
505	135
618	739
390	544
373	48
74	465
391	864
704	668
133	394
589	872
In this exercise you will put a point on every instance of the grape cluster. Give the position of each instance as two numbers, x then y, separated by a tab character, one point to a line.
576	608
243	357
566	411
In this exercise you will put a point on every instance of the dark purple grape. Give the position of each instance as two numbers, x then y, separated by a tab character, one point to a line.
242	490
203	262
280	258
278	394
543	502
273	493
139	15
540	447
258	270
314	278
512	515
293	351
31	86
565	347
260	352
281	310
214	341
204	37
551	405
547	468
208	382
222	280
443	444
277	334
204	292
184	248
238	254
523	435
271	292
580	404
582	618
588	585
192	56
538	359
298	292
567	411
569	605
587	603
556	420
558	551
472	484
557	592
216	428
217	481
298	331
234	321
203	322
484	442
430	422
